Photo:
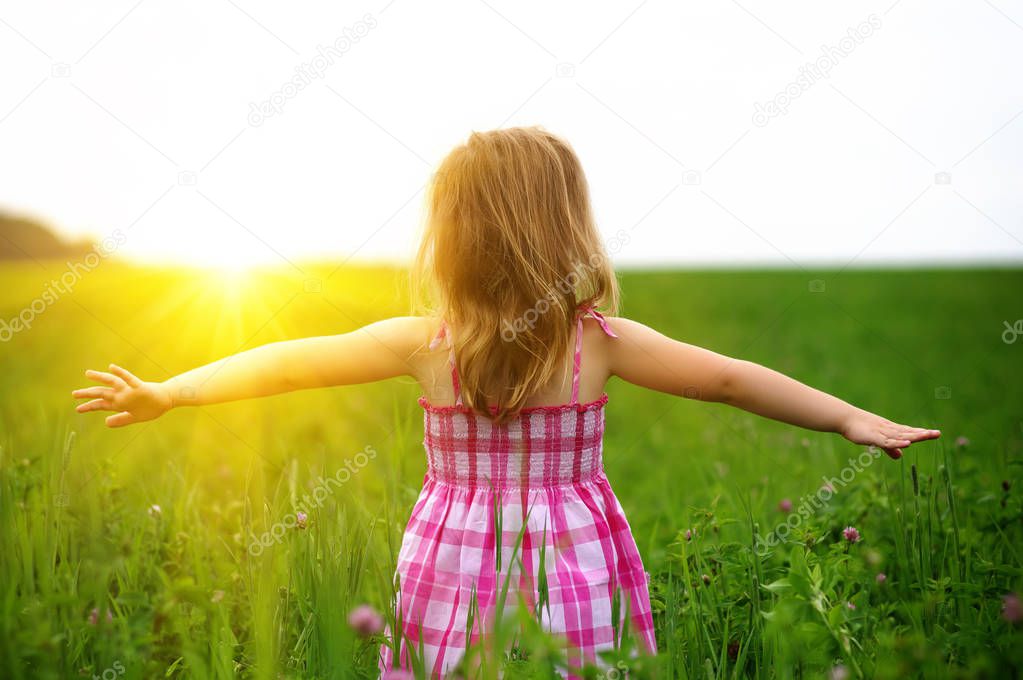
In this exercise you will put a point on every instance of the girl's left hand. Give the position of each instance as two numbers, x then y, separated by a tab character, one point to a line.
132	400
867	428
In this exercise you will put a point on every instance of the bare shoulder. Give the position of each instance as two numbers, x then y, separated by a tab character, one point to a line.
601	348
634	332
620	324
408	335
628	332
634	340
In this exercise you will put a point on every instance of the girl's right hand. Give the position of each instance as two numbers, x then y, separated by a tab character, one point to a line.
132	400
867	428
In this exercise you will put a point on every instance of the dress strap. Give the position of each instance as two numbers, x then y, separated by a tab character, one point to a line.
577	358
455	383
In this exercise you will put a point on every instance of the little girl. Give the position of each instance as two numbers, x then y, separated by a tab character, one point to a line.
512	358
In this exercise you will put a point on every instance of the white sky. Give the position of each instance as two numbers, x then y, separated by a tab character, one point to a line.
103	105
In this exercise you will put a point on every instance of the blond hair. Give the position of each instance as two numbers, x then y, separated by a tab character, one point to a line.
510	251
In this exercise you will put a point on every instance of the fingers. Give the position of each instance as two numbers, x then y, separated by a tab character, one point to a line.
914	433
893	443
95	405
105	378
894	454
120	419
893	438
907	433
93	393
890	445
125	375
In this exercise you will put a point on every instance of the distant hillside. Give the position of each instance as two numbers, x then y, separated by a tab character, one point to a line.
22	238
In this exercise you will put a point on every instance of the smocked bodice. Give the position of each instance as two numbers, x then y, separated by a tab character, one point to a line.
541	447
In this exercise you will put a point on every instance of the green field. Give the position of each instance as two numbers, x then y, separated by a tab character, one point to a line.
79	536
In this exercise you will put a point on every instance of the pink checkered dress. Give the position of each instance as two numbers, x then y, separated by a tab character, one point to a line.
547	461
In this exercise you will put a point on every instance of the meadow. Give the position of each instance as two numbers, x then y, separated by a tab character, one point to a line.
176	549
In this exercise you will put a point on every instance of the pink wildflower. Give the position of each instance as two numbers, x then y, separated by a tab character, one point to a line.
839	672
94	616
1012	608
365	620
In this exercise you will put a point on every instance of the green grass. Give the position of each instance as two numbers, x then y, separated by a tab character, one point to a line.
187	599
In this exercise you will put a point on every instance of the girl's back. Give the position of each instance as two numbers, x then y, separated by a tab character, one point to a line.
433	367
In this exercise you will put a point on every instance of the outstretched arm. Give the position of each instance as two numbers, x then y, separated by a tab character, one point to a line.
647	358
378	351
